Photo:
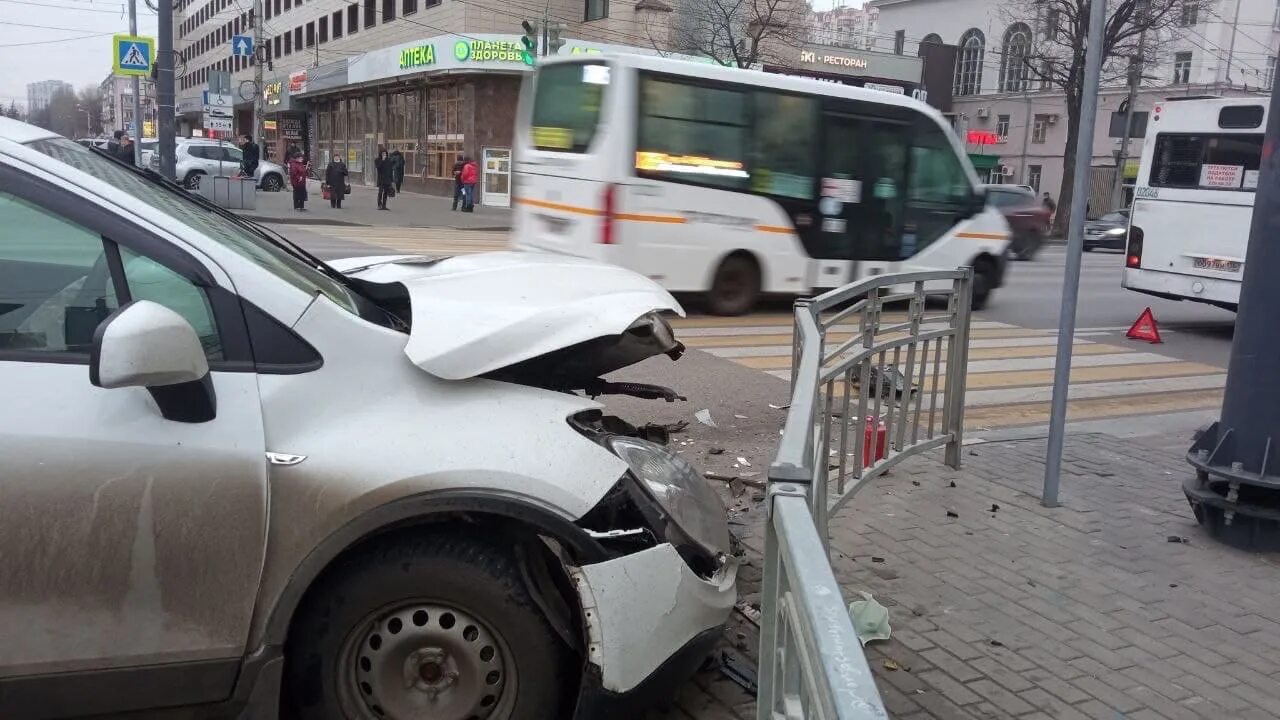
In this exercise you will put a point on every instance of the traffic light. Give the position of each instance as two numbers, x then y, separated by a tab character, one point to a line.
529	42
554	41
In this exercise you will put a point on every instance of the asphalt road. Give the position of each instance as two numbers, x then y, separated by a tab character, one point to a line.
1032	296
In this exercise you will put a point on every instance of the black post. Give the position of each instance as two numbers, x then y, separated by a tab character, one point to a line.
1236	490
165	58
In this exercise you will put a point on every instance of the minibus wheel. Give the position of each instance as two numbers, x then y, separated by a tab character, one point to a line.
735	287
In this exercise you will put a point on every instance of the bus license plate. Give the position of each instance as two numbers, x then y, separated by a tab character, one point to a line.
1218	264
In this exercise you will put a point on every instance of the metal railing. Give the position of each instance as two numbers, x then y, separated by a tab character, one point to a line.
811	662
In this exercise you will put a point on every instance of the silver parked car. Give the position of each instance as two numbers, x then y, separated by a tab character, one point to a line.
239	480
197	158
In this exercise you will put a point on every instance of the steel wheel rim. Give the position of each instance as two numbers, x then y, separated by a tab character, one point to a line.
426	660
735	285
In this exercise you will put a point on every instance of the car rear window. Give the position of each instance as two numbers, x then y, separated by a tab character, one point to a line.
566	105
1004	199
1223	161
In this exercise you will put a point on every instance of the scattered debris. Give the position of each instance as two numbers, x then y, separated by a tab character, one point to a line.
715	451
780	407
1179	540
743	461
1173	585
752	482
740	671
995	643
973	453
995	507
892	665
748	611
704	416
953	514
953	483
892	383
876	559
712	475
870	618
742	417
915	482
1032	583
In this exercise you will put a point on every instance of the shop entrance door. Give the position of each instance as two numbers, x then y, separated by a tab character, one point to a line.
496	189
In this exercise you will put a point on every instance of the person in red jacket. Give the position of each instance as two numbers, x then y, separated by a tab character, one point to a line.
298	179
469	177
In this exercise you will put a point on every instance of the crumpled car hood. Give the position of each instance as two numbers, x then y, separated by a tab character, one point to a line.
478	314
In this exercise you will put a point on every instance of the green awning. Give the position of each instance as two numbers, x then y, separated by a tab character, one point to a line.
983	163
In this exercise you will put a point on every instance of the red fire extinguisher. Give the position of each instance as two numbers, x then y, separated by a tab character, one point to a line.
871	424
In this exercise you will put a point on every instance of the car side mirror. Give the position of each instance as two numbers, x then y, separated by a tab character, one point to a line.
145	344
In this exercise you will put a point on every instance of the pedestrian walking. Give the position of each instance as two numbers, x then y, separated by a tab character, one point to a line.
250	155
457	181
470	176
298	179
397	168
386	178
124	152
335	176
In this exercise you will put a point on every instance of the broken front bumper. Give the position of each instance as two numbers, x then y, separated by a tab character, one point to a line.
647	615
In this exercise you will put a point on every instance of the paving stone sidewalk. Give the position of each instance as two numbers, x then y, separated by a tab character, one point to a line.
1015	610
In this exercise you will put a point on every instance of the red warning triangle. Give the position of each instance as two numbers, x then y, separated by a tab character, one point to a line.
1144	328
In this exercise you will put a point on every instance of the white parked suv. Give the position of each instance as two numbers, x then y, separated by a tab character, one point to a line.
240	479
197	158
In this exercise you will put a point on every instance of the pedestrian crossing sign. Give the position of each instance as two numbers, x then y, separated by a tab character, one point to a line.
133	55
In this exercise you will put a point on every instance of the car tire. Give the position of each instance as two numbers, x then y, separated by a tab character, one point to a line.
272	182
983	283
735	287
441	604
192	180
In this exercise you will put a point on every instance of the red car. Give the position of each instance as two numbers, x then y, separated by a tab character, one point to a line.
1027	216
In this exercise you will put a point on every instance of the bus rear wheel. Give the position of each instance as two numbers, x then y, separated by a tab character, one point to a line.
983	283
736	286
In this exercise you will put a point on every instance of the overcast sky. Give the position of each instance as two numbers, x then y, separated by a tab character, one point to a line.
74	40
79	59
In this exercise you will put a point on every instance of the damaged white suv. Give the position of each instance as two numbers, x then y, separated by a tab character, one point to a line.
238	478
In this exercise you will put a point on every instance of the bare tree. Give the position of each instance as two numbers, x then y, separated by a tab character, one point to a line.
740	33
90	100
13	111
1134	33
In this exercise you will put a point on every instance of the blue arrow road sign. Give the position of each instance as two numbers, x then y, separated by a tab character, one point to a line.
241	46
133	55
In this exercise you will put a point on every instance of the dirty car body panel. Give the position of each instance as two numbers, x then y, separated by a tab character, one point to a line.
159	563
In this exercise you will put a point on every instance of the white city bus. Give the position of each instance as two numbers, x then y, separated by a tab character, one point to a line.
735	183
1189	227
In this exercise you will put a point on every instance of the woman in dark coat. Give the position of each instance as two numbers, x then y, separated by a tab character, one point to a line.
386	177
335	176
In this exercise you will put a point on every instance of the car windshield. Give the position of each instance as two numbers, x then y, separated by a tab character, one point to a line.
1004	199
242	240
1119	216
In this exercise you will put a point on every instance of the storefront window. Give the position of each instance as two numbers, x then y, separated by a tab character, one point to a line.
444	131
402	128
355	134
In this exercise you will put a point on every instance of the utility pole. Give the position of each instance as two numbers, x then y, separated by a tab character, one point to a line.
545	21
260	55
166	59
1135	76
1075	246
1237	459
137	92
1231	51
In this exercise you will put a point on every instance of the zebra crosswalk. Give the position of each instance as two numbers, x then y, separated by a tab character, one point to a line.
1009	381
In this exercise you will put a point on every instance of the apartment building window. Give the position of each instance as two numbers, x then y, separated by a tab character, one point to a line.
276	3
311	34
1051	20
899	41
388	10
353	19
337	24
1033	176
288	43
266	9
1189	14
288	5
1047	68
1002	128
1039	128
409	7
370	13
276	49
1181	68
1013	61
596	10
1275	21
969	63
297	38
1271	72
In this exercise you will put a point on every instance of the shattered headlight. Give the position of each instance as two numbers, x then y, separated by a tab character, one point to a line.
689	502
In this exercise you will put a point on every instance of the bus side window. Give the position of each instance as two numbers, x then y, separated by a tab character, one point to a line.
938	189
784	156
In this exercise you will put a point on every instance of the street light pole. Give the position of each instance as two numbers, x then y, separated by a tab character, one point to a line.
166	59
1236	489
1075	246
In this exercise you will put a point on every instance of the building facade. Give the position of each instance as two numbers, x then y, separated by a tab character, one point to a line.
848	27
1016	125
435	79
40	93
117	106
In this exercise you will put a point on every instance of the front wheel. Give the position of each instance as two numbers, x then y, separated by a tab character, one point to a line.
735	287
192	180
983	284
272	183
439	626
